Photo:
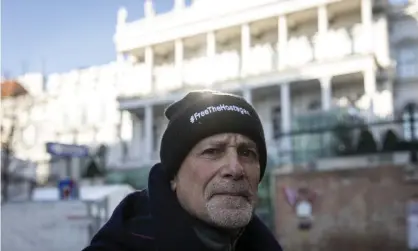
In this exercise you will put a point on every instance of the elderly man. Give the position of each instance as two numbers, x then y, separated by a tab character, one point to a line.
202	195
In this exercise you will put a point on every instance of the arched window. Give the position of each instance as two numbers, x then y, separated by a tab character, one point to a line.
410	121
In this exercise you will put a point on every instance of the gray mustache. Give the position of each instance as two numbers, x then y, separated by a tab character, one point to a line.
238	188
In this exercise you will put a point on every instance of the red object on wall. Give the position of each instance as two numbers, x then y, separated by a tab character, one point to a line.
293	196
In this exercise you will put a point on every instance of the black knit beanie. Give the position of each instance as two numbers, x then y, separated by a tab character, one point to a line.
201	114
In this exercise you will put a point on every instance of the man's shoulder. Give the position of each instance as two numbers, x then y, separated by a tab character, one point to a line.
135	204
130	226
136	214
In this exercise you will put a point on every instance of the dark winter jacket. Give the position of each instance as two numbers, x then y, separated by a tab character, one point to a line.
153	220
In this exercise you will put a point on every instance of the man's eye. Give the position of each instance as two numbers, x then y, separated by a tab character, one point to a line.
212	151
248	153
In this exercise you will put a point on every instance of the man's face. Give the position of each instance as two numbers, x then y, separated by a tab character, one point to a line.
218	180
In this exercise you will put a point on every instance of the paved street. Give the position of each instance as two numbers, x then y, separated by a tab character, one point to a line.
43	226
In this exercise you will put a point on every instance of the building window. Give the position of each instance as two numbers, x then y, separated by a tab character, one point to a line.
407	60
410	122
276	120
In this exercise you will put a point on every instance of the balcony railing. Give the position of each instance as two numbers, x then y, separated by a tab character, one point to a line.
263	58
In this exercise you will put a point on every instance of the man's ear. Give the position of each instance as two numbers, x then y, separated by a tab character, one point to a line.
173	184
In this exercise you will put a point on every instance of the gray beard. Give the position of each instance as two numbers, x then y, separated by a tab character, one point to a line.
227	214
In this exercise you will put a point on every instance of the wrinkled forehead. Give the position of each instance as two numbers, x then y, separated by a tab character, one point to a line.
226	139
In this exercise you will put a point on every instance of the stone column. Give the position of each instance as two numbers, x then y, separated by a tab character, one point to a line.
136	136
179	4
286	142
367	22
326	93
210	56
247	94
149	62
321	46
322	19
149	122
282	41
149	9
245	47
178	55
370	88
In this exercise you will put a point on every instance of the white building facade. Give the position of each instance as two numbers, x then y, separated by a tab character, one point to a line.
291	59
77	107
287	58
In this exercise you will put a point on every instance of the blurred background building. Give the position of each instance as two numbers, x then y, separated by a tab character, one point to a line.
289	59
78	107
324	75
300	63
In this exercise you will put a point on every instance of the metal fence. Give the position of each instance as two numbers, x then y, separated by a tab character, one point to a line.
344	133
98	213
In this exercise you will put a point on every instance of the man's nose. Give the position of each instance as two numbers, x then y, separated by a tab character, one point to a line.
232	168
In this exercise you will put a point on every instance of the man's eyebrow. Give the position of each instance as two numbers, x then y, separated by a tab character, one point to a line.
249	144
222	143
